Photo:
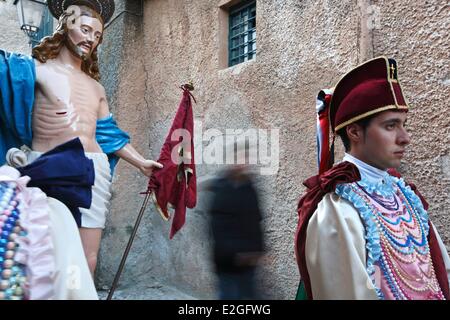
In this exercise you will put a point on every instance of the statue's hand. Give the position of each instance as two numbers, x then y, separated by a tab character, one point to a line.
147	167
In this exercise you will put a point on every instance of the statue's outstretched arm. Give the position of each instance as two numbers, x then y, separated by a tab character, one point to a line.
128	152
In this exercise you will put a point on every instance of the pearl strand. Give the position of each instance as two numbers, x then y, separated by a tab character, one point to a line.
12	275
394	274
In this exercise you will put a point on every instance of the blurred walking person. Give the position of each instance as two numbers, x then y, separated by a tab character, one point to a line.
237	233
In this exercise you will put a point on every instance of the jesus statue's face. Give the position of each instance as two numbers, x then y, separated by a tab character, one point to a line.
86	34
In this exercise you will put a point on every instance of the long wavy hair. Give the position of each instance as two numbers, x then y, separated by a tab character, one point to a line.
50	46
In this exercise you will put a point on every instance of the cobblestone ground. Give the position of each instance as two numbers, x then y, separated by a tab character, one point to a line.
152	291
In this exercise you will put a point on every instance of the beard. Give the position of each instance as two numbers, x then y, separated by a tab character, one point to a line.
75	49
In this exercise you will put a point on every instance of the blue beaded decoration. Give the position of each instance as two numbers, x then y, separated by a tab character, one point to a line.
12	274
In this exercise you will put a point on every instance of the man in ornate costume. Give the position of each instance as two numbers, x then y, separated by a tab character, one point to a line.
363	232
55	101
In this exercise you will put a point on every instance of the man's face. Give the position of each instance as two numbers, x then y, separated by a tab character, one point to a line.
86	34
384	142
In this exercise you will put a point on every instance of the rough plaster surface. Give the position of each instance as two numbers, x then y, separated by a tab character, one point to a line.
276	90
302	46
416	34
11	37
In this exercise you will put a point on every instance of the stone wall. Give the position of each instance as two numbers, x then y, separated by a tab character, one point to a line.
11	37
416	34
277	90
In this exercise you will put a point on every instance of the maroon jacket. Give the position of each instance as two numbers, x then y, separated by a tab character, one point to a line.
176	183
318	186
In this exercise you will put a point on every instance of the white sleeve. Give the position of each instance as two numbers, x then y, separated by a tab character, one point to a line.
444	252
336	252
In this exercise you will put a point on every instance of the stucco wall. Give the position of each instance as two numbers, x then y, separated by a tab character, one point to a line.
11	37
302	46
276	90
416	34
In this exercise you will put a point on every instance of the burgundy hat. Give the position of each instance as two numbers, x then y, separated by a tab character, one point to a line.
104	7
368	89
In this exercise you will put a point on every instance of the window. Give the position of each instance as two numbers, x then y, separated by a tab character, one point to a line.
45	29
242	33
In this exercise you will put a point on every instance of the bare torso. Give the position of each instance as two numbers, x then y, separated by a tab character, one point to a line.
67	105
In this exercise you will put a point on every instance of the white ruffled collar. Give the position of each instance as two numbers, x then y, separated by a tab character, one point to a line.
368	173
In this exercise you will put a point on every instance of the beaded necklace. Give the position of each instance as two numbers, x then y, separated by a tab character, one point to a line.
404	256
12	274
389	204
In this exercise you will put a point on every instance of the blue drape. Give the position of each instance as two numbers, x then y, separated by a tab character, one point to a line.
111	138
17	79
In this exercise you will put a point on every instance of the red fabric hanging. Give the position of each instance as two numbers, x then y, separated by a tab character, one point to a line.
175	184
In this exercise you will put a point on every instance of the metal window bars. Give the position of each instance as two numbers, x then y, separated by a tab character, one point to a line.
242	33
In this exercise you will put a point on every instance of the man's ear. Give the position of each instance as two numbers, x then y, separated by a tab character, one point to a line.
355	133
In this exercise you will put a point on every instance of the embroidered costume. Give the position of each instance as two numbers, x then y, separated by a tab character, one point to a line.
369	240
364	233
396	226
